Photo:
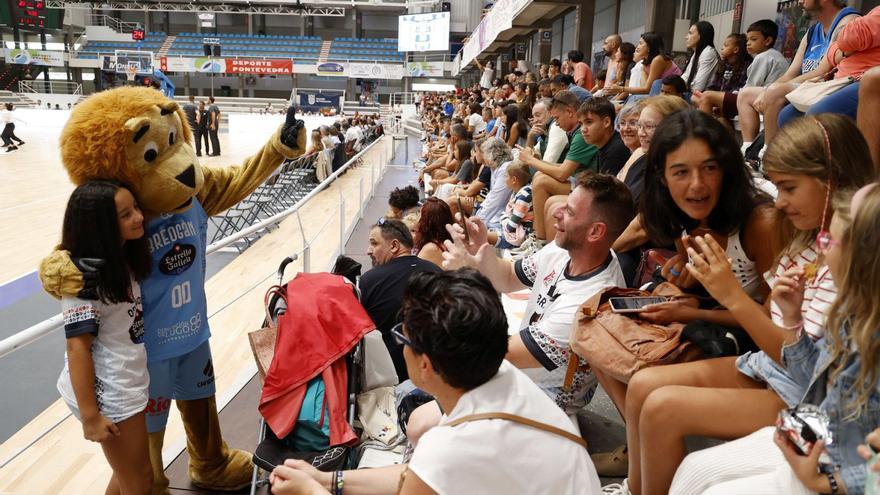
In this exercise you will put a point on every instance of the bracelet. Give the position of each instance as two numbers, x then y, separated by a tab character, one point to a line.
797	327
333	482
833	482
338	484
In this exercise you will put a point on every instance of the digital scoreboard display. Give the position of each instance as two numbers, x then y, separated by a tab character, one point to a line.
137	35
31	13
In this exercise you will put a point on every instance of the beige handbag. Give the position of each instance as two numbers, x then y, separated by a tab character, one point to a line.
809	93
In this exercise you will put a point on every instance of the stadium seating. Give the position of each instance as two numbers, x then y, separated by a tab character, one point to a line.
151	42
302	49
372	49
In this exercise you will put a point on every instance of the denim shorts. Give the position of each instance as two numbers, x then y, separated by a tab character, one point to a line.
759	366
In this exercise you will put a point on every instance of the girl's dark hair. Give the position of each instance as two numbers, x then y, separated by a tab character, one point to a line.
512	116
655	46
707	39
91	230
8	106
434	218
403	198
627	51
663	220
743	59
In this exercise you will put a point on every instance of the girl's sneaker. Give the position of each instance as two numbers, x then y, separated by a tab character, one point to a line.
12	149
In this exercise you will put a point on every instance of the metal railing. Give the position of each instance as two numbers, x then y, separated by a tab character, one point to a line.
430	57
403	98
35	332
112	23
53	87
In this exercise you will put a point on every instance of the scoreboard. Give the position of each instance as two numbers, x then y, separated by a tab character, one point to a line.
31	13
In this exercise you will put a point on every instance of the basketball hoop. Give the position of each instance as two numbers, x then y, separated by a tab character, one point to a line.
131	70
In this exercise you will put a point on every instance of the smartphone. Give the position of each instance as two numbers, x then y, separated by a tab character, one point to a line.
463	223
634	304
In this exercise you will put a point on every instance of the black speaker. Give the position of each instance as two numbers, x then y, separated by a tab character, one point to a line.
446	7
208	47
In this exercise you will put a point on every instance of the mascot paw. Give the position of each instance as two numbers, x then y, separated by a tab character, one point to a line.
291	129
234	473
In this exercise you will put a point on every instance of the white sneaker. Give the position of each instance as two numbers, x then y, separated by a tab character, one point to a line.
617	489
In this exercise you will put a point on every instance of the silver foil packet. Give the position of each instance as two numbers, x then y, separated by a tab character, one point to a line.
804	425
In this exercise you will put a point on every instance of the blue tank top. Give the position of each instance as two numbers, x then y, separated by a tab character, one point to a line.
173	295
818	41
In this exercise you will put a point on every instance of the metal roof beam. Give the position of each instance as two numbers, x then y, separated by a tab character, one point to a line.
221	8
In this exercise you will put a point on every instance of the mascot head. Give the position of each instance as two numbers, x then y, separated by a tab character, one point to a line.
137	136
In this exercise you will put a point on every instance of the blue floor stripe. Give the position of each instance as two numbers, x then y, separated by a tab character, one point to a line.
18	289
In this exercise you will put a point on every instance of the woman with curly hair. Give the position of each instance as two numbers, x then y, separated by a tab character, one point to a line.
401	201
431	230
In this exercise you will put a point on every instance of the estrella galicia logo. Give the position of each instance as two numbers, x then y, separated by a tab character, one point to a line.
178	259
136	332
330	68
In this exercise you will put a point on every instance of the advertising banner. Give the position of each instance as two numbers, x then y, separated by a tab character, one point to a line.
34	57
314	102
330	69
424	69
375	71
200	64
258	66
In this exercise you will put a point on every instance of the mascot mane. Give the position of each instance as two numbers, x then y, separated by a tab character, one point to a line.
94	139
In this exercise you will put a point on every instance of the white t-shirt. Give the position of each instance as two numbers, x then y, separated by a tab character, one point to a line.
486	78
497	456
557	140
121	378
354	134
550	314
637	75
476	123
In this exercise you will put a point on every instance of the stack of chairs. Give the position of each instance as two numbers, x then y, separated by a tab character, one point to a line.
291	182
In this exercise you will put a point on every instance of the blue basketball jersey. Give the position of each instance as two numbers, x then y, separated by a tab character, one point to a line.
175	308
818	42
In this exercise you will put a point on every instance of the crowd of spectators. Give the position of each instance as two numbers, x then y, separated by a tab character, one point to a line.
335	144
564	184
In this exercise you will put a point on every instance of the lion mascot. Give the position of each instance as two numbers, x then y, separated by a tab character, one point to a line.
141	138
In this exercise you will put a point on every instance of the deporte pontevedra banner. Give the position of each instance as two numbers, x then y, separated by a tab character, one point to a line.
258	66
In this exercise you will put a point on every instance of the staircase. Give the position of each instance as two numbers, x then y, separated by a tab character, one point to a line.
166	45
325	51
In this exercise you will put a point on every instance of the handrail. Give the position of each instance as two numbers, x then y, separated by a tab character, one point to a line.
35	332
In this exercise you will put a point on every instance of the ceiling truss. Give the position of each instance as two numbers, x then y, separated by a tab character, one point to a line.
221	8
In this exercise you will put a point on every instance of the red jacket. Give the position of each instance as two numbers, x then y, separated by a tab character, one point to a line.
323	322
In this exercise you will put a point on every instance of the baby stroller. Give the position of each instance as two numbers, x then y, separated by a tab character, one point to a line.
308	407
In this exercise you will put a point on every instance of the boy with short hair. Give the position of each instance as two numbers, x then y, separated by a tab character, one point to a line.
516	221
767	65
596	117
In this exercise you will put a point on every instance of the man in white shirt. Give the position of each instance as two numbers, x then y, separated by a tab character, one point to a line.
488	73
454	336
549	143
562	275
